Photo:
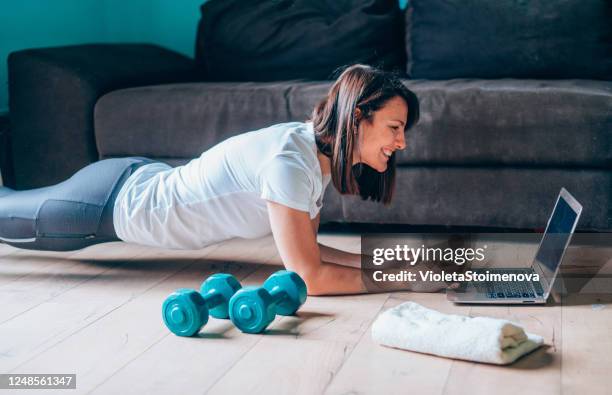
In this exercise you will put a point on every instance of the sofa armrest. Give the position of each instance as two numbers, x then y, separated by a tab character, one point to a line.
52	94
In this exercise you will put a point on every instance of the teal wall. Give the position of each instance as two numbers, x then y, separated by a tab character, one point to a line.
42	23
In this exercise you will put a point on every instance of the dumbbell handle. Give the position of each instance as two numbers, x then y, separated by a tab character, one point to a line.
213	298
278	294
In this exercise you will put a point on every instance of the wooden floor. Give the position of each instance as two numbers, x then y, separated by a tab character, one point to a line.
96	313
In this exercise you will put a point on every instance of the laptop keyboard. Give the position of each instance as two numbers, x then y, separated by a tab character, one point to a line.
510	289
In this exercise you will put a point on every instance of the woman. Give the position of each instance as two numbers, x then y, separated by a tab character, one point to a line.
269	180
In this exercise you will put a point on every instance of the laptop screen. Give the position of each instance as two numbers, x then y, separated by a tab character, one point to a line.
556	237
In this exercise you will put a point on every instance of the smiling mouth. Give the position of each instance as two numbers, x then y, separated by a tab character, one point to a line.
387	153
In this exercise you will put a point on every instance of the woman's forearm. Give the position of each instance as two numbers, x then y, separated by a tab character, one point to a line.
340	273
334	279
339	257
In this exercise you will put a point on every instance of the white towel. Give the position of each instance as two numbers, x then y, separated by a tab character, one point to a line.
413	327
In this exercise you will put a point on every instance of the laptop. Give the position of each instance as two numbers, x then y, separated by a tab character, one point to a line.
556	238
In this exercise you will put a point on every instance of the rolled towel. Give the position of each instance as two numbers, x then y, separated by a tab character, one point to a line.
413	327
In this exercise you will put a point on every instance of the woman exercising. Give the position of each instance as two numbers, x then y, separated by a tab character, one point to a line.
268	180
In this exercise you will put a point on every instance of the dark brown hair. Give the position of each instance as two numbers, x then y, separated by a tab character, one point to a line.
336	128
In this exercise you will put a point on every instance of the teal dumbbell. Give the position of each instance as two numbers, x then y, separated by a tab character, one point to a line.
186	311
252	309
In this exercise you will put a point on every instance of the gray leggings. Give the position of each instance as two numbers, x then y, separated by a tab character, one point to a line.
71	215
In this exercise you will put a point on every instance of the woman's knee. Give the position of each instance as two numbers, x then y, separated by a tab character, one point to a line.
34	220
18	210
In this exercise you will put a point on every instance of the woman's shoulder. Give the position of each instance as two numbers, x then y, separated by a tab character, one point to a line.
301	130
296	138
284	144
294	150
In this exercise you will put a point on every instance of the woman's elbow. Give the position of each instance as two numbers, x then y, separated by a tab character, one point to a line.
315	286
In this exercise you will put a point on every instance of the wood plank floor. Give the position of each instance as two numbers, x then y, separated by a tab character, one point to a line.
96	313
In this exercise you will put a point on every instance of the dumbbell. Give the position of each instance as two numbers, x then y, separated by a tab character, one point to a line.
186	311
252	309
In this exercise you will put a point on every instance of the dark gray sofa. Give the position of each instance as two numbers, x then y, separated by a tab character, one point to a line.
487	152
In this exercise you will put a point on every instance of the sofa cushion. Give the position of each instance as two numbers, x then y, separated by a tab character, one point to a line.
183	120
512	122
519	198
510	38
241	40
463	122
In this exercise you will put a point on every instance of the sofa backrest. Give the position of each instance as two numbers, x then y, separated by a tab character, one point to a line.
509	38
240	40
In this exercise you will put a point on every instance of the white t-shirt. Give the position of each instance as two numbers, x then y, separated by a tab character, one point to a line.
222	194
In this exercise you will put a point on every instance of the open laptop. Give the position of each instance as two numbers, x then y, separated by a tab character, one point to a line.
558	233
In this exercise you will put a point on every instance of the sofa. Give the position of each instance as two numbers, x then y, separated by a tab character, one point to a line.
502	129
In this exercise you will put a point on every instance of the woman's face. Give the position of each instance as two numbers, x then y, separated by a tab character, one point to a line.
382	135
